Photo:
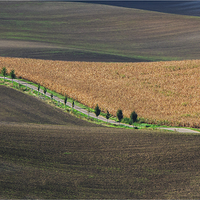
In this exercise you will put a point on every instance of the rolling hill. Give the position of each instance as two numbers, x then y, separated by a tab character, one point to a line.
18	107
77	31
48	154
191	8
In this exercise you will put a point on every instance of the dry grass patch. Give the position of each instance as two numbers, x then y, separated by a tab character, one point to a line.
157	91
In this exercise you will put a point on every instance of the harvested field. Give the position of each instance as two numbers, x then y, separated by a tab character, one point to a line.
77	31
163	92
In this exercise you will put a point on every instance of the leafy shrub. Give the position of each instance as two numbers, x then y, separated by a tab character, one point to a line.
126	120
4	71
12	74
133	116
97	111
108	115
119	115
45	90
72	104
142	120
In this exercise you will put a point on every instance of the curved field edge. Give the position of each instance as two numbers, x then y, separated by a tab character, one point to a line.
139	124
50	161
162	92
25	88
19	107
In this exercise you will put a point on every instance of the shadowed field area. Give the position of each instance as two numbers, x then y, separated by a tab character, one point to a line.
18	107
191	8
92	32
77	161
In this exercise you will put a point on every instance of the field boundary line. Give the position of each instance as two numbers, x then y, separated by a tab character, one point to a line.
77	108
91	114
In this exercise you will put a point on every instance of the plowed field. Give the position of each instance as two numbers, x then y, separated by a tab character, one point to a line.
66	158
76	31
158	91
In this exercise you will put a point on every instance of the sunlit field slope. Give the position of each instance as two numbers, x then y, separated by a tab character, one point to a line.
157	91
90	32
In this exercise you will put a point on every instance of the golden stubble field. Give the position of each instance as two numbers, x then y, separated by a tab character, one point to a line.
157	91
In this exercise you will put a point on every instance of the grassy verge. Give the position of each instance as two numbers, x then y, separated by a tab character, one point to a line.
140	124
61	104
55	103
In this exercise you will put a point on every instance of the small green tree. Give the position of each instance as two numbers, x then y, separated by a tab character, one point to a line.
119	115
97	111
45	90
4	72
12	74
38	89
107	116
133	117
51	96
72	104
65	100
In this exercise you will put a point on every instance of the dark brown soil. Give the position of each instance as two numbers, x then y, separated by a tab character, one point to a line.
71	161
78	31
16	106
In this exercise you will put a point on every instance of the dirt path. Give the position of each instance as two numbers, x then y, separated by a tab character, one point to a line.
181	130
84	111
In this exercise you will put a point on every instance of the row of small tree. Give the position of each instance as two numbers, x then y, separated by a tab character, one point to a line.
4	73
133	116
120	116
65	101
51	95
97	110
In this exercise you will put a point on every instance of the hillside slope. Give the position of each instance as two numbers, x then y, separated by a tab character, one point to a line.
77	31
18	107
191	8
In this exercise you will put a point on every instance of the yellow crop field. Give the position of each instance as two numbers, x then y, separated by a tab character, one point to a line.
157	91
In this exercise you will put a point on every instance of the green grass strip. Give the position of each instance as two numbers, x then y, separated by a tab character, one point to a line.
81	115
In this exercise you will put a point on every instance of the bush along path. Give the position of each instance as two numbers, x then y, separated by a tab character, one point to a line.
85	111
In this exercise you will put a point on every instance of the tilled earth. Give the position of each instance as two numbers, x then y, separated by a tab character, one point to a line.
18	107
77	31
64	157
